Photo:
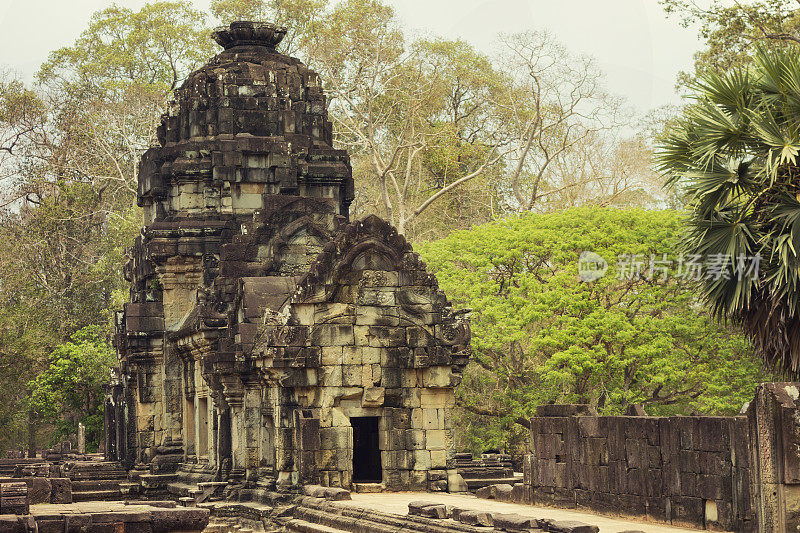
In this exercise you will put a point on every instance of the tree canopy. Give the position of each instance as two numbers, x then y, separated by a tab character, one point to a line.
733	31
71	388
542	335
69	149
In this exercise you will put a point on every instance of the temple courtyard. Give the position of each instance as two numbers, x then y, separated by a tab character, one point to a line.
395	502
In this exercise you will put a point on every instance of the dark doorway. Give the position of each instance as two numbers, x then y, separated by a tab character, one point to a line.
366	453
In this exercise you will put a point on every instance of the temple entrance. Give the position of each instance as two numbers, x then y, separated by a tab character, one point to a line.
366	452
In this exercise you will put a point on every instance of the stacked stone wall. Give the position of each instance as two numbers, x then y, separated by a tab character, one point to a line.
684	470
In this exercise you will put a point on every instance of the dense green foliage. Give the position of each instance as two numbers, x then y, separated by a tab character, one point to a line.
71	388
542	335
69	149
735	154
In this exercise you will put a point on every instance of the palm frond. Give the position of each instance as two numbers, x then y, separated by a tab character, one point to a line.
737	153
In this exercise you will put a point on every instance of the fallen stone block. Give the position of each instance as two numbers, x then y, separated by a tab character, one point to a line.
75	523
635	409
10	523
39	489
182	519
476	518
14	499
50	526
513	522
570	526
327	493
502	492
455	512
336	494
427	509
315	491
484	492
456	483
61	490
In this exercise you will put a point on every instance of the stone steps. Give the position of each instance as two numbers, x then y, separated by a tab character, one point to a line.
129	489
96	484
301	526
231	525
95	471
198	492
96	480
180	489
96	495
157	481
368	487
479	483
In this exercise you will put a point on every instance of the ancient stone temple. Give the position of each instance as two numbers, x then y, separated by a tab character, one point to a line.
268	339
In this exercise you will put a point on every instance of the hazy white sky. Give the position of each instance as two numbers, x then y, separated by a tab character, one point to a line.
638	48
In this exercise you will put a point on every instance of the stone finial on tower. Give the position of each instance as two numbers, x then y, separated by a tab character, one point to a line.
245	33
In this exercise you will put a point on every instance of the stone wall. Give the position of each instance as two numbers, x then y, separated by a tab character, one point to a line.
738	473
684	470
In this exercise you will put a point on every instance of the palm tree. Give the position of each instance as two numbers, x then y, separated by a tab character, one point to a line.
735	154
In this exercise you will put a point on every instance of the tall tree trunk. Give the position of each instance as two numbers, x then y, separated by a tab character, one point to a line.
31	434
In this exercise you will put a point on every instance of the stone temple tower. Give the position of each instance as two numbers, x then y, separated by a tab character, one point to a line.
268	340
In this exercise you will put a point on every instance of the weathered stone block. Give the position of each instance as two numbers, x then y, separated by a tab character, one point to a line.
436	439
332	335
438	459
687	510
570	526
12	524
476	518
332	355
519	494
502	492
512	522
415	439
456	483
427	509
39	489
373	397
484	493
61	490
422	459
418	480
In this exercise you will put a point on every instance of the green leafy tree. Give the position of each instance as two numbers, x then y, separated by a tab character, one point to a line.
159	44
732	30
108	89
71	389
69	148
542	335
735	155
